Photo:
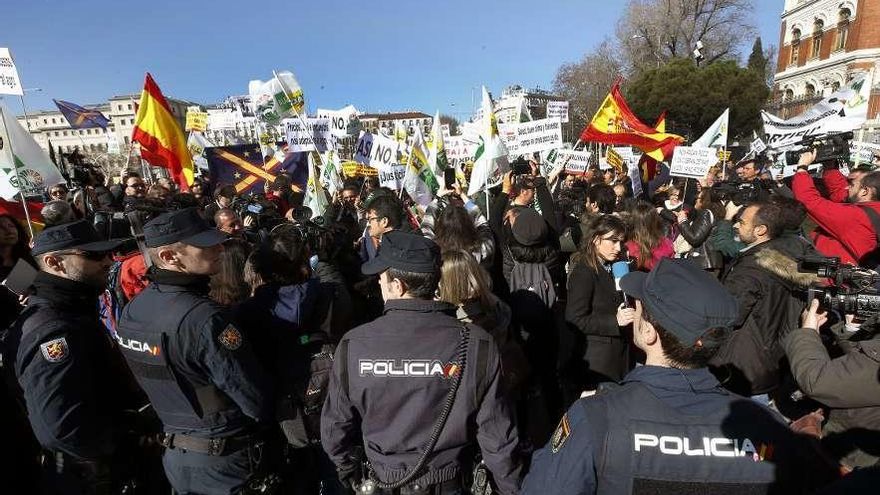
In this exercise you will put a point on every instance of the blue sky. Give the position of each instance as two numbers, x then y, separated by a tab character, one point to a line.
379	55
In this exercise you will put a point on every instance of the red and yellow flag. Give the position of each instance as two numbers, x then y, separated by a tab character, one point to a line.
615	123
162	141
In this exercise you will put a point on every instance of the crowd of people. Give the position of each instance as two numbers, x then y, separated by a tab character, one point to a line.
213	342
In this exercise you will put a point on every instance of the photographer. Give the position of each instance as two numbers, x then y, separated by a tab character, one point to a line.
847	384
844	230
223	198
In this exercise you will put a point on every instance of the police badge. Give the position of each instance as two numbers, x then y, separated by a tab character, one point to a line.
55	351
230	338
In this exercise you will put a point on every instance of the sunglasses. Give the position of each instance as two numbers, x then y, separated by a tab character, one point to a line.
89	255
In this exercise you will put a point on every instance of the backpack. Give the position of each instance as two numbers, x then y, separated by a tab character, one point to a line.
533	278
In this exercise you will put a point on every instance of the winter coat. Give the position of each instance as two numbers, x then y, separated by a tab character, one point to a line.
697	233
847	384
764	281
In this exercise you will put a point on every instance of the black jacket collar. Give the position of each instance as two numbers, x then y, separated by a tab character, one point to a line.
419	306
65	292
187	281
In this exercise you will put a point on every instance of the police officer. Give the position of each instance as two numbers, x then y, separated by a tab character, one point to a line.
393	379
670	427
198	370
75	384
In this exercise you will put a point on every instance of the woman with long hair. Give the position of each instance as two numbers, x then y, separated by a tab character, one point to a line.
600	346
466	285
458	228
697	230
648	243
228	286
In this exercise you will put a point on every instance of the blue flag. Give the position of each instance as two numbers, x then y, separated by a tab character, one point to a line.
81	118
241	166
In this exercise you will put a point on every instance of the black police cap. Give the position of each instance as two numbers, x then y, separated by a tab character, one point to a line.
187	226
79	235
682	298
407	252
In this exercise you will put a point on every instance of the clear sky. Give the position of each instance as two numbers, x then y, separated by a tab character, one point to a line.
379	55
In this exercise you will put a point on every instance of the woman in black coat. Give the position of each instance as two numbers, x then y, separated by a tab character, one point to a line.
698	228
602	350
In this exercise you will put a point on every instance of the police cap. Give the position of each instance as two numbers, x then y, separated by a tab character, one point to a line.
407	252
78	235
682	298
187	226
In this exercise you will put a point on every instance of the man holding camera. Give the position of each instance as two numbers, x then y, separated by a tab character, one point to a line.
670	427
845	230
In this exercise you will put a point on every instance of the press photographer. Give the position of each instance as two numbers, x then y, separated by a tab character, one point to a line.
844	230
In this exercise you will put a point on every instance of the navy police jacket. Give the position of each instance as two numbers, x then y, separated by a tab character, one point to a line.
389	382
197	368
74	382
668	430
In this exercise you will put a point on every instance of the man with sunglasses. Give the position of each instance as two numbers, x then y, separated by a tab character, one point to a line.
75	384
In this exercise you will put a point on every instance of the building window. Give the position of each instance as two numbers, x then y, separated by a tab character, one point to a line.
127	140
810	90
842	29
835	86
795	46
789	95
64	132
53	121
818	26
129	106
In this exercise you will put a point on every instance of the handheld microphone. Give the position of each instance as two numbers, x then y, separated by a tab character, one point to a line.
618	270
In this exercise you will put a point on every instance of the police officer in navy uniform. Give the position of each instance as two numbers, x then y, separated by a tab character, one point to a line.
670	427
198	370
75	384
392	377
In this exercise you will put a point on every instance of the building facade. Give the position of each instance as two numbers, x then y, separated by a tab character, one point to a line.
823	44
386	122
50	126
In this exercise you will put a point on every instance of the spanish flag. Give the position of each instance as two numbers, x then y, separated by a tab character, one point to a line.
162	141
615	123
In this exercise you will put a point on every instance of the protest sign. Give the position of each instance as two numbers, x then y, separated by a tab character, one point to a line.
459	148
314	136
576	162
614	159
758	146
692	161
376	150
10	84
222	119
343	122
112	143
863	152
196	120
558	110
844	110
625	153
444	129
392	176
531	137
635	178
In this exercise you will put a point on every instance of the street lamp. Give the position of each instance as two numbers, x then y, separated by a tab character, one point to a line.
657	50
27	120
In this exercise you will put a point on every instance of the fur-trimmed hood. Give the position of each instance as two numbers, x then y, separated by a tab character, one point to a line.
784	267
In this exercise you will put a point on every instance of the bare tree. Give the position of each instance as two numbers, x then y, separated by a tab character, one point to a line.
586	83
651	32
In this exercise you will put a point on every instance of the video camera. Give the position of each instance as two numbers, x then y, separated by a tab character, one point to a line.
522	175
829	147
741	192
257	206
852	290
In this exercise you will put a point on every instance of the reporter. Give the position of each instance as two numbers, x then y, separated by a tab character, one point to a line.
847	384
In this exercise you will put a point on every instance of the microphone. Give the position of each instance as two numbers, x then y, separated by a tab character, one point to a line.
618	270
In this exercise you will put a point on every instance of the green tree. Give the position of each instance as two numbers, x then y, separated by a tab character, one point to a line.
757	60
695	96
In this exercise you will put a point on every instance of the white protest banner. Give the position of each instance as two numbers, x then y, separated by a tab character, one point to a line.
376	151
196	120
459	148
343	122
222	119
625	153
863	152
392	176
537	135
692	161
444	129
576	162
314	136
112	143
635	178
844	110
558	110
507	132
10	84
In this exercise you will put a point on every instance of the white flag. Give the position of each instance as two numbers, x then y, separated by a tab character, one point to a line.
315	198
420	182
331	177
490	160
716	135
277	98
36	171
196	143
438	160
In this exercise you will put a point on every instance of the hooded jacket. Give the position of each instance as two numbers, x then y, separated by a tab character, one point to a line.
764	281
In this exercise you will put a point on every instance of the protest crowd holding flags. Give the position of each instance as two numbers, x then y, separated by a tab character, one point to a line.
525	239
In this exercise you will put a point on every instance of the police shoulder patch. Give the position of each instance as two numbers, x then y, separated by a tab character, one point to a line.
55	350
230	338
560	435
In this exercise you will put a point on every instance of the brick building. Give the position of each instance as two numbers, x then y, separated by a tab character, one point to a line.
823	43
